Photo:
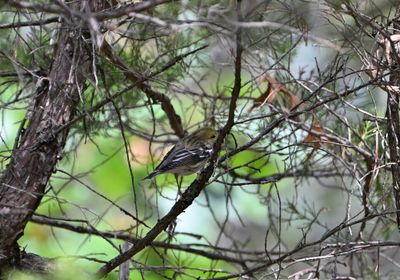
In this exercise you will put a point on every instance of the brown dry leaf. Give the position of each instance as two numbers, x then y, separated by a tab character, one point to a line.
266	97
288	102
314	137
294	101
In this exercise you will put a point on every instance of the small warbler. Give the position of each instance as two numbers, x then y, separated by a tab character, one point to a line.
189	155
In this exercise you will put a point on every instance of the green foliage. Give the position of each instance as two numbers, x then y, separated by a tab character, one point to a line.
253	164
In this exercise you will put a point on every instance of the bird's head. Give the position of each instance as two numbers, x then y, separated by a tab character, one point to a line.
205	135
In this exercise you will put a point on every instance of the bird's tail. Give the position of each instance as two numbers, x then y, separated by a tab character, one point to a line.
151	175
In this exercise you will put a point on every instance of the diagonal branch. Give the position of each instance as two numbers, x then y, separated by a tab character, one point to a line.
107	100
166	105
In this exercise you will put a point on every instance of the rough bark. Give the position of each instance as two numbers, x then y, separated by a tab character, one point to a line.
393	124
35	156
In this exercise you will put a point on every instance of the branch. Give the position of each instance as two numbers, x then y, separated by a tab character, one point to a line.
29	23
302	247
49	8
37	264
107	100
126	237
166	105
100	16
126	9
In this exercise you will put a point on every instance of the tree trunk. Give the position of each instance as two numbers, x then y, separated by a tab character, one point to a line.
393	124
33	160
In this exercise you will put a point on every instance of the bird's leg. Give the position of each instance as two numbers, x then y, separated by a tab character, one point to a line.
179	184
171	227
170	231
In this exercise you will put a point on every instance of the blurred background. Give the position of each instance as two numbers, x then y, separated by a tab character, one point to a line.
305	102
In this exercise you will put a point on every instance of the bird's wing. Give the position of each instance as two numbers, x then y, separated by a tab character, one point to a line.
161	167
167	157
186	157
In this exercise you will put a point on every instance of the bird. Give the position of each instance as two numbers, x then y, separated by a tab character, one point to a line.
187	156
